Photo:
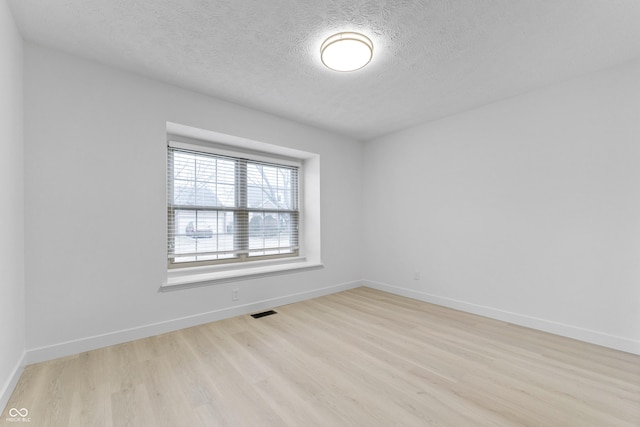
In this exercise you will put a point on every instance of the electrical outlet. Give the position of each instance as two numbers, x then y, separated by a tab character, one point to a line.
235	294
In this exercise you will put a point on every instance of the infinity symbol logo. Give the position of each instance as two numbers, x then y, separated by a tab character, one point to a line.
13	412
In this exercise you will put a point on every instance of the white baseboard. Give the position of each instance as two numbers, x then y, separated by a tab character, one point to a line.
69	348
569	331
94	342
10	385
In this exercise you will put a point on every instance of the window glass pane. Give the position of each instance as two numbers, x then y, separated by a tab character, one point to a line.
205	169
183	221
255	198
284	188
202	180
184	192
226	171
198	233
269	187
225	232
270	230
183	166
205	195
226	195
256	221
270	183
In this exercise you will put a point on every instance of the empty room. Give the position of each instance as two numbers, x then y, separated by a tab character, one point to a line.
338	213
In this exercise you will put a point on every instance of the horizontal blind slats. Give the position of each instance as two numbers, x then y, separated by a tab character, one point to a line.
222	207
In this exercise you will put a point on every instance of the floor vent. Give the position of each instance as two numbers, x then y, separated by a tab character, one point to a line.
264	313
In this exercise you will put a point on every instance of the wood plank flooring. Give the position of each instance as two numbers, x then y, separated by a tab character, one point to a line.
356	358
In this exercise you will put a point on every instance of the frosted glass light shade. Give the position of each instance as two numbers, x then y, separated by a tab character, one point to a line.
346	51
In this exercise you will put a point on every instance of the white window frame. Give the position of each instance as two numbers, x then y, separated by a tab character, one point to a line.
308	256
241	211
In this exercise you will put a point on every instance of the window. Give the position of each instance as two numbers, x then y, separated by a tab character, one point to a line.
227	207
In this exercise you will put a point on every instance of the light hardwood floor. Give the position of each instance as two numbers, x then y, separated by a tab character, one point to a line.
357	358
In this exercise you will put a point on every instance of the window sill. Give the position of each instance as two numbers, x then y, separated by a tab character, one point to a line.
204	276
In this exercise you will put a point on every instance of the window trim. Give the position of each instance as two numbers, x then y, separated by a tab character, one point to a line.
222	149
241	210
309	256
191	277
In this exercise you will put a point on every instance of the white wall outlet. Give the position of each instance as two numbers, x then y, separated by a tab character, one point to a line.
235	294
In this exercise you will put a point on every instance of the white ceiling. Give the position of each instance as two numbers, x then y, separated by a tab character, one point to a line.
431	58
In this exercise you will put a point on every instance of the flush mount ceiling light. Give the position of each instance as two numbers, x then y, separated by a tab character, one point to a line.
346	51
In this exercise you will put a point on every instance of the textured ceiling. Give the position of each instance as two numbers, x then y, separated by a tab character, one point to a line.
431	58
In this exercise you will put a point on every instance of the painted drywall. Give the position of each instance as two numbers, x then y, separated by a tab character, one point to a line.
12	305
524	210
95	205
527	210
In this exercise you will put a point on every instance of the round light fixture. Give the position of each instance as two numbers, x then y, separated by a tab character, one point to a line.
346	51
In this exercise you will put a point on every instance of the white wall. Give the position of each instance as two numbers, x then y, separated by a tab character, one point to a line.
526	210
12	305
95	206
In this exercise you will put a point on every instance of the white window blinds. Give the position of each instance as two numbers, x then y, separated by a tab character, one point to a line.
225	208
